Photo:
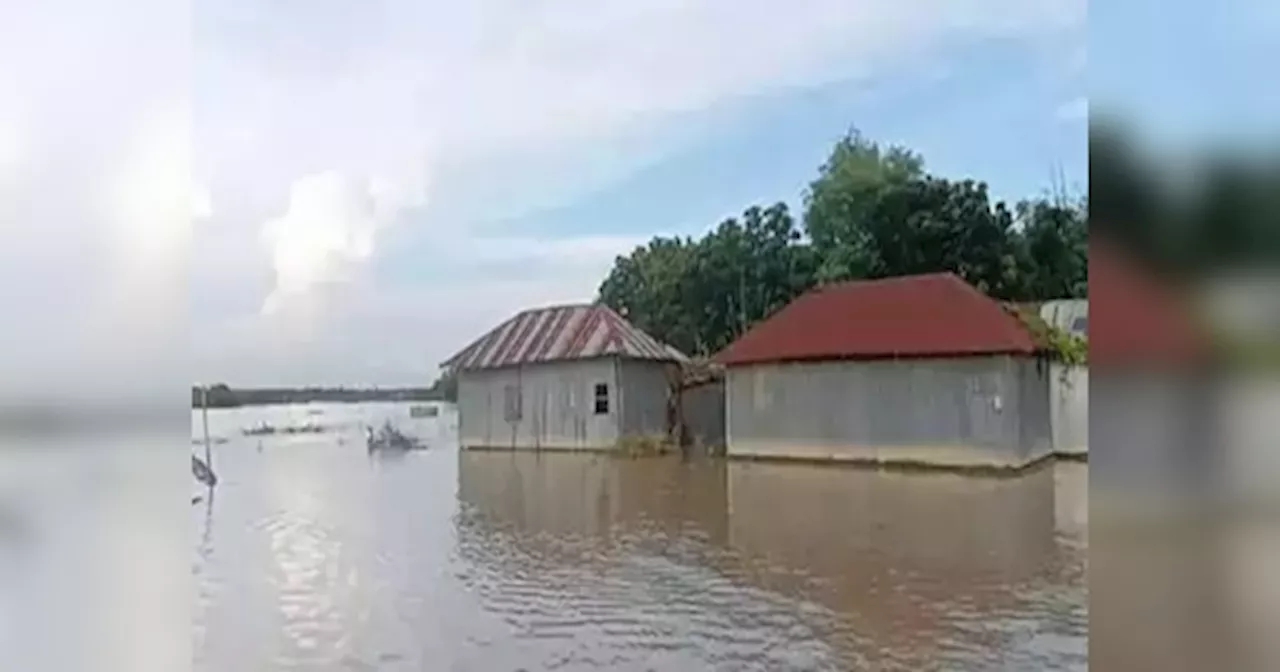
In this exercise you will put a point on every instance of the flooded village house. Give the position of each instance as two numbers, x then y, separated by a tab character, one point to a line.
920	369
563	377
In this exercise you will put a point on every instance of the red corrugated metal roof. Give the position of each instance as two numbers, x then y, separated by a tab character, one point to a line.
931	315
1135	320
559	333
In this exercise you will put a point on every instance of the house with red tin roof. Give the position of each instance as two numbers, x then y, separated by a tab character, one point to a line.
563	377
920	369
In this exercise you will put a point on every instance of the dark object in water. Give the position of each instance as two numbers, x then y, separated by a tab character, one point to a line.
265	429
202	472
390	438
259	430
424	411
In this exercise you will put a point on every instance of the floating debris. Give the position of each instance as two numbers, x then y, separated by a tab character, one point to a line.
390	438
266	429
202	472
259	430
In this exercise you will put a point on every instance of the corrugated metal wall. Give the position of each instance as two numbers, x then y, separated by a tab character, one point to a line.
645	387
1069	392
556	404
988	410
703	409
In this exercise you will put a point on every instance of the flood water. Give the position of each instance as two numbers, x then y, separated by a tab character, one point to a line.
314	555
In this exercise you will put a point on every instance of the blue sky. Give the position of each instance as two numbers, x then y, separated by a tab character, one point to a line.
985	110
990	112
1191	72
990	115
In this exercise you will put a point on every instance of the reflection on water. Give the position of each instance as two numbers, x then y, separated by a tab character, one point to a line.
317	556
94	576
773	566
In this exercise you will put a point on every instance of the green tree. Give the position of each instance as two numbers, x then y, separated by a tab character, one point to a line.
647	287
444	388
928	224
700	295
840	201
1053	254
871	212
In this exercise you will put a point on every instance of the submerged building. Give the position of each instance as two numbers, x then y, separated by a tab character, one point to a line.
921	369
564	377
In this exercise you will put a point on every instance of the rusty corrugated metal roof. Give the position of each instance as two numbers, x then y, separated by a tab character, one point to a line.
1136	318
934	315
558	333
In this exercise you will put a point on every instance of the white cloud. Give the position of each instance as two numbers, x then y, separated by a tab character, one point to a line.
321	127
327	231
92	184
201	203
149	199
12	146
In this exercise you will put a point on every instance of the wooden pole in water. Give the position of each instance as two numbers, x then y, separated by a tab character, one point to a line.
204	415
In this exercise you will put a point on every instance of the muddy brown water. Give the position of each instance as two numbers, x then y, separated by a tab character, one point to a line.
314	555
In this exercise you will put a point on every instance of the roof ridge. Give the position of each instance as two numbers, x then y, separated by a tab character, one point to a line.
925	314
585	335
556	306
892	279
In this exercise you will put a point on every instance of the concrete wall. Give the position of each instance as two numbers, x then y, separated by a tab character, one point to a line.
645	388
987	411
557	404
1069	394
1071	315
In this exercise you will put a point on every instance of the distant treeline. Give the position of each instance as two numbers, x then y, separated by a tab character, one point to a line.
224	396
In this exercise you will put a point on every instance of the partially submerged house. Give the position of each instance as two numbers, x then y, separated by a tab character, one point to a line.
921	369
564	377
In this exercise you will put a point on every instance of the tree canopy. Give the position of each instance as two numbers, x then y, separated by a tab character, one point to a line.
872	211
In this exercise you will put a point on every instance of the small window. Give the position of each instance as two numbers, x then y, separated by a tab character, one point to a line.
602	398
1080	325
511	399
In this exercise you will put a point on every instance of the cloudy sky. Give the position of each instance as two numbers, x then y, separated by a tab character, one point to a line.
347	191
386	180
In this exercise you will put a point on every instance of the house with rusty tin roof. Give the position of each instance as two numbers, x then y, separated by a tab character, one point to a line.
563	377
921	369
